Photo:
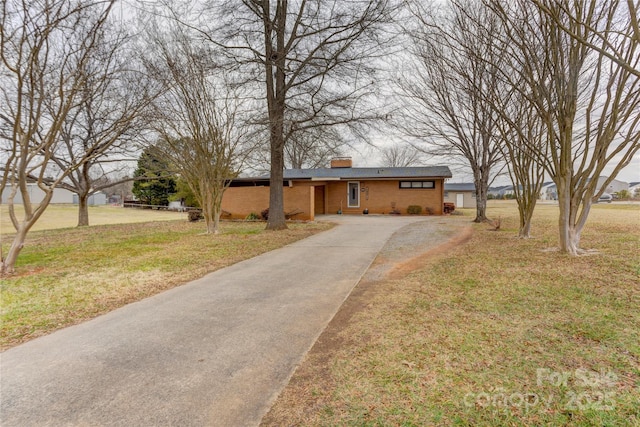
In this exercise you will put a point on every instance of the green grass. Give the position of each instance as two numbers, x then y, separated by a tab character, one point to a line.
65	276
496	332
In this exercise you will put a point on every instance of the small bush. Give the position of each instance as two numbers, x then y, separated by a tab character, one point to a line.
195	215
252	217
265	214
623	194
414	210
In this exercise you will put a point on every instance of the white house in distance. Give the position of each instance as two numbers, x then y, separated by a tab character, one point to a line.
614	186
462	195
501	191
60	196
36	195
549	192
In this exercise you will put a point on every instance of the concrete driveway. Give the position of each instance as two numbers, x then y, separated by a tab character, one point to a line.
214	352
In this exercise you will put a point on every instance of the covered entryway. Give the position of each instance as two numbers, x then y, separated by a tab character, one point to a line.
319	200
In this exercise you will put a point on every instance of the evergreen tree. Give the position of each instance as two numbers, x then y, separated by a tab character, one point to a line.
154	182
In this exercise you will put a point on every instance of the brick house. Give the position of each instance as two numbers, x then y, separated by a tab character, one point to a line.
342	188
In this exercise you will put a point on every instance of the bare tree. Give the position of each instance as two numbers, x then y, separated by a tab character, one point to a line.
443	90
313	147
200	119
523	142
312	58
588	102
101	130
522	137
400	156
44	49
578	24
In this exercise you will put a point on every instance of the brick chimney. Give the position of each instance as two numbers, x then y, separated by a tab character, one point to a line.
341	162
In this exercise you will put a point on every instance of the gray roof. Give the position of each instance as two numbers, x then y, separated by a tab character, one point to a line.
465	186
369	173
361	173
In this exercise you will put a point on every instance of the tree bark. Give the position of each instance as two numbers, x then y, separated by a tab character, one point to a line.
569	237
9	263
276	219
7	266
83	210
276	95
482	189
211	208
525	209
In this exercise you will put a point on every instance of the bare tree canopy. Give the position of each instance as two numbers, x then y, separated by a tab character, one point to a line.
44	48
443	89
523	143
312	59
201	119
401	156
101	130
313	148
617	42
588	101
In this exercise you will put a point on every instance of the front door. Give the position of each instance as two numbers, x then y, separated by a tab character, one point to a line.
459	200
354	194
318	200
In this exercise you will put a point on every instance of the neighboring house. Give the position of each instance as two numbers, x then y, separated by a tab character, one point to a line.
613	187
462	195
548	191
36	195
634	189
342	188
95	199
500	191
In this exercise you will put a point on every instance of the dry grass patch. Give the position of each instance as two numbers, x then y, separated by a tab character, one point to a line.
66	216
70	275
494	332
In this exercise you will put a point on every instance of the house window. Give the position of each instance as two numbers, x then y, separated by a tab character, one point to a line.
417	184
446	194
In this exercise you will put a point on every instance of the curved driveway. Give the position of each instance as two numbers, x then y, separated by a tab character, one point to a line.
214	352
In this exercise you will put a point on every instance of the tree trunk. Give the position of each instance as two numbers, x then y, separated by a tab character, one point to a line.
208	220
212	218
276	94
481	210
524	232
482	189
83	210
216	222
9	263
527	199
569	236
276	219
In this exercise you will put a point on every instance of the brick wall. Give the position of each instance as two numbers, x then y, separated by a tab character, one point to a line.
241	201
378	196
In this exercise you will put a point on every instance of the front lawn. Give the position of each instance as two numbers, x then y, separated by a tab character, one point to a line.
496	332
65	276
